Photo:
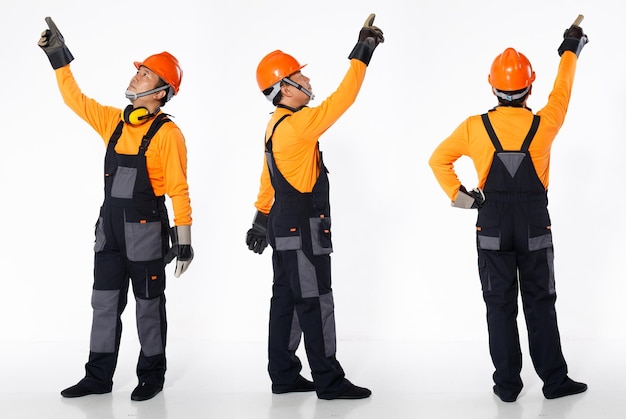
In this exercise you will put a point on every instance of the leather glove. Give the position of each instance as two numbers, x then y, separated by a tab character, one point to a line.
369	38
468	200
574	39
181	249
53	44
256	238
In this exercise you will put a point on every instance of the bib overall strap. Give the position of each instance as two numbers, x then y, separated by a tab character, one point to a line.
116	134
145	142
154	127
496	142
531	133
268	143
492	134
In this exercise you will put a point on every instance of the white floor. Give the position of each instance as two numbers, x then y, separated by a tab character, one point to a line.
228	380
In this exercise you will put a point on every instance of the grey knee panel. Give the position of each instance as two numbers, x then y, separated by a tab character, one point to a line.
307	276
296	332
149	326
327	307
104	326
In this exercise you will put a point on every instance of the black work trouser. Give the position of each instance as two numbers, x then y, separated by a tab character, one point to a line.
292	314
500	282
113	275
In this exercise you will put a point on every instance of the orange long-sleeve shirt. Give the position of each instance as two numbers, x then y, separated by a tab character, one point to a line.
166	157
511	126
295	141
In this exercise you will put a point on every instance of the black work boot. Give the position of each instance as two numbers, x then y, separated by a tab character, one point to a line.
351	392
301	384
505	396
145	391
567	388
82	389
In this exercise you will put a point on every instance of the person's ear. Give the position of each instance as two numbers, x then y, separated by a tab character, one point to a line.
160	94
285	90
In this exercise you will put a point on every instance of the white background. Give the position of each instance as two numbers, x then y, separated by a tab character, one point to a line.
404	267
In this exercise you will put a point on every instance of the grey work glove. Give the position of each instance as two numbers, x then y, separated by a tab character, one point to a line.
574	39
256	237
469	200
181	249
53	44
369	38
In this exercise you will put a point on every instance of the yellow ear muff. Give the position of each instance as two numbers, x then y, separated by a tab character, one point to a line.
135	116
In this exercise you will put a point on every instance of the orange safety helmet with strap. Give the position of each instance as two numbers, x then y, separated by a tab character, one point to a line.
275	67
511	71
166	66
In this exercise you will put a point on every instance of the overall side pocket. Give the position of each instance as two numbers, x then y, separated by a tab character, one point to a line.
321	235
100	239
488	230
539	228
287	233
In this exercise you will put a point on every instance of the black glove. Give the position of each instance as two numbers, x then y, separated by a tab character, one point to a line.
181	249
574	40
369	38
469	200
256	238
53	44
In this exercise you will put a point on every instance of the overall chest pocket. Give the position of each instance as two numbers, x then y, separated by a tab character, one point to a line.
143	234
124	182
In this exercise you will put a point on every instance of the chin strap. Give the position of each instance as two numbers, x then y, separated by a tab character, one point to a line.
299	87
276	88
132	96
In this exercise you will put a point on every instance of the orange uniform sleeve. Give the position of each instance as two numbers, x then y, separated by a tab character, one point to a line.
166	161
265	198
101	118
445	155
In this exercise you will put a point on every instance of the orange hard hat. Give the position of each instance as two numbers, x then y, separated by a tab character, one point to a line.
166	66
274	67
511	71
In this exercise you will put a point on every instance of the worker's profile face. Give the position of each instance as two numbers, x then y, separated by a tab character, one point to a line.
144	80
305	82
302	80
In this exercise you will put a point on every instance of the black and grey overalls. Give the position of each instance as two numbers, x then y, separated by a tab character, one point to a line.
131	240
514	243
302	299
